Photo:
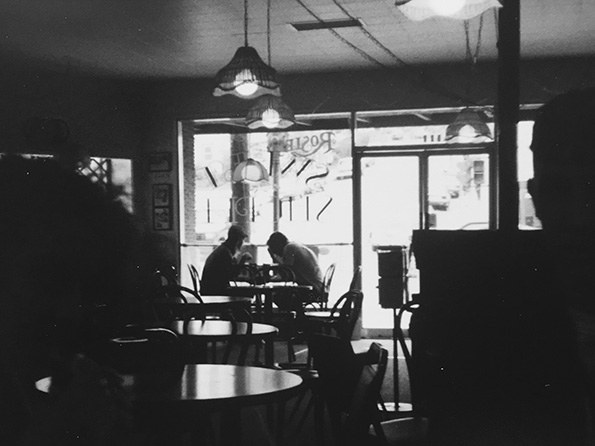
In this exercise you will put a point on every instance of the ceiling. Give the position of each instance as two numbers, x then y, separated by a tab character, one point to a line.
194	38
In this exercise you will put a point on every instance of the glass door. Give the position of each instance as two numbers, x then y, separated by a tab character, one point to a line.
459	191
390	203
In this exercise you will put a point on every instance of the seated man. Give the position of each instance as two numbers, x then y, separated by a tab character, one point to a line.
220	266
304	264
299	258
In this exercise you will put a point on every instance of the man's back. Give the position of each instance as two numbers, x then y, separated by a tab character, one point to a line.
217	272
304	264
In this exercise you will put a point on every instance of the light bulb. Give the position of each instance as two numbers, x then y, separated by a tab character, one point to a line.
270	118
447	7
467	133
244	84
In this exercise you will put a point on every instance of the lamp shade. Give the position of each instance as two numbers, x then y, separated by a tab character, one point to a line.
246	76
271	112
456	9
250	170
468	126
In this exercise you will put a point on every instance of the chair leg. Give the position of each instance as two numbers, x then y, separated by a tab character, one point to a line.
290	351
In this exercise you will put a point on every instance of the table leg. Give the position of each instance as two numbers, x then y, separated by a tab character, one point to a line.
231	427
269	346
280	423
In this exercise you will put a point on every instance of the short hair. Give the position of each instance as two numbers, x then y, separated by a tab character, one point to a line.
563	126
236	232
277	242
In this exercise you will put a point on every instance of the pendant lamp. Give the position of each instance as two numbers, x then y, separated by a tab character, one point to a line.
468	126
246	76
250	170
456	9
269	111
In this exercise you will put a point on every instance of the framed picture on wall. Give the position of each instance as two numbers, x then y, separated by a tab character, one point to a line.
162	219
160	162
162	195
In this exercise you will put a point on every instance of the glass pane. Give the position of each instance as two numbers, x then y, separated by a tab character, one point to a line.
390	212
459	191
527	218
310	175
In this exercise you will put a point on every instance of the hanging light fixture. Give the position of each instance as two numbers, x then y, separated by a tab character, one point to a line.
469	126
246	76
250	170
457	9
269	111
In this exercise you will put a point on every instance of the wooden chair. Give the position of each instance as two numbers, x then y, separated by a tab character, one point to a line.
409	428
342	317
349	386
195	278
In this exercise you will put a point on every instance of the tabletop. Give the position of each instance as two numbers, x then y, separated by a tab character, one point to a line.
213	330
210	386
213	386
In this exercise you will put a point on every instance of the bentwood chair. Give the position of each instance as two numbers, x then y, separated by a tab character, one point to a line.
349	387
321	298
409	428
341	319
195	278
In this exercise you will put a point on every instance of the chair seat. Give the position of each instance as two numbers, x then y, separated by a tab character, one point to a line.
321	314
410	431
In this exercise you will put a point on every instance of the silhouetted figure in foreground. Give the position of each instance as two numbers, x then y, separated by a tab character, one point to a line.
563	191
65	268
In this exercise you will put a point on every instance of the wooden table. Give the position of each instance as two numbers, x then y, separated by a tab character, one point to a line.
205	388
209	304
208	331
267	291
211	330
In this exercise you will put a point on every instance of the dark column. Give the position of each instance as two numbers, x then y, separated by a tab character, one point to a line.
507	113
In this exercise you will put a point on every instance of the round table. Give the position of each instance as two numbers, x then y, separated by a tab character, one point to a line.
212	330
201	389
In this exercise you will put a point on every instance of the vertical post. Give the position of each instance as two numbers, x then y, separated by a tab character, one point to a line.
507	113
240	192
276	202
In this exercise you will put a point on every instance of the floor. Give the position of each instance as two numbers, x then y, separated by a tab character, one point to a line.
258	422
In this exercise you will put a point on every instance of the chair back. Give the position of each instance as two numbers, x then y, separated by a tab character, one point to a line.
145	350
409	307
350	385
347	311
356	280
195	278
166	276
328	278
363	411
322	296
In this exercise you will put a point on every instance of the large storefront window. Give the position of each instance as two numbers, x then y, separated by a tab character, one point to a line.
410	178
307	195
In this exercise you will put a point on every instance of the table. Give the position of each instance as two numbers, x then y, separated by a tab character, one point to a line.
267	290
204	388
209	304
210	330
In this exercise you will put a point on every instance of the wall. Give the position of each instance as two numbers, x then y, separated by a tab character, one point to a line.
101	113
